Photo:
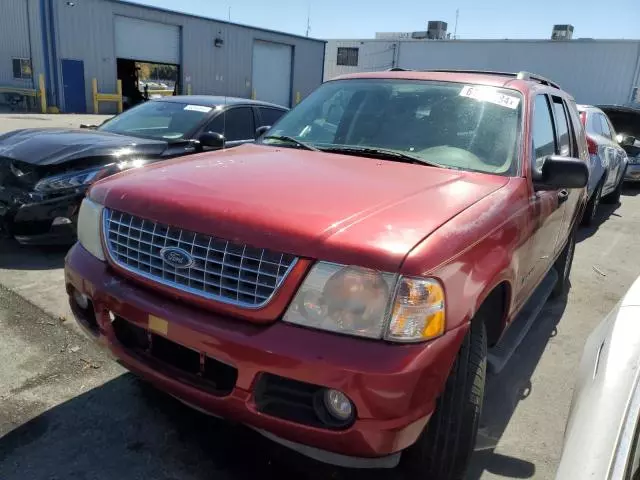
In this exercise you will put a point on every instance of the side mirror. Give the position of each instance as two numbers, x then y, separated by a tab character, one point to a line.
212	140
559	172
262	130
626	140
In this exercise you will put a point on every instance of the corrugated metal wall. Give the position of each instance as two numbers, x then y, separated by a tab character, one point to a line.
86	32
594	71
15	41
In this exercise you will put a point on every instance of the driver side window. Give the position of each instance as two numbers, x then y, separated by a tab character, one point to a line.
544	142
236	124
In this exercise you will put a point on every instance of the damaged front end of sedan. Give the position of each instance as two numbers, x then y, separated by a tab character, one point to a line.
39	203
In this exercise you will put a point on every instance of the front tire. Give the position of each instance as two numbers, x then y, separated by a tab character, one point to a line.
591	209
614	197
443	450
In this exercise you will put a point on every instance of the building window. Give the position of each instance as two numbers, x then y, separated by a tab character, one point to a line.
21	68
348	56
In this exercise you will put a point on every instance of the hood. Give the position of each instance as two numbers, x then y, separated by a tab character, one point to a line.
325	206
53	146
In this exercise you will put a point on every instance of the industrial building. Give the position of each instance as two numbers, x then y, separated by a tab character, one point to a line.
593	71
72	42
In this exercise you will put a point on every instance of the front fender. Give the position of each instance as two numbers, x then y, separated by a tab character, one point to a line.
480	248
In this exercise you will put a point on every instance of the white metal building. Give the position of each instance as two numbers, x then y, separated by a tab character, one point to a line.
72	42
593	71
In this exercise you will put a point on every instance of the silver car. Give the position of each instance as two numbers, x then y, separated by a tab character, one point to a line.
607	163
626	121
601	437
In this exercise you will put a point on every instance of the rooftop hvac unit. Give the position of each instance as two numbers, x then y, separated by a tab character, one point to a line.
562	32
437	30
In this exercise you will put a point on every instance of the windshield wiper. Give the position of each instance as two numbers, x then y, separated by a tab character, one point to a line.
382	153
285	138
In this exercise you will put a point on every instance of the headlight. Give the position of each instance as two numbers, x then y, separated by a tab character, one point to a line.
84	177
89	227
68	180
634	160
367	303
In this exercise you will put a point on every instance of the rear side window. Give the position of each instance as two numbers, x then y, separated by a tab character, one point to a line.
269	116
564	140
542	131
593	124
576	130
604	126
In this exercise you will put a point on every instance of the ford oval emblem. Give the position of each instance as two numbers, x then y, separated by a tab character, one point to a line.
176	257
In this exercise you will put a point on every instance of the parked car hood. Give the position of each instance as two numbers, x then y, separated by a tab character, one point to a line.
312	204
53	146
606	379
626	121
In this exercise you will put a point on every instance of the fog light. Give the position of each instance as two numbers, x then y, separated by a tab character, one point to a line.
81	299
338	404
61	221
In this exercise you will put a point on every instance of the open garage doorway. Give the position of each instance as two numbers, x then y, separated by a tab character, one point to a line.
147	54
144	80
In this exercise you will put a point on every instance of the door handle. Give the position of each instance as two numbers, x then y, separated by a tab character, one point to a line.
563	196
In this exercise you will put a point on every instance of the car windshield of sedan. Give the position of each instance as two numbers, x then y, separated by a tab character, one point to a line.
453	125
156	119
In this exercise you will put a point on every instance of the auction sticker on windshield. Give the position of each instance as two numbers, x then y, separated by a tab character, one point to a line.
491	95
198	108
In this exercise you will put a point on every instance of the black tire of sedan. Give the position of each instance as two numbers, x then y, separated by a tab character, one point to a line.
592	207
614	197
443	450
563	268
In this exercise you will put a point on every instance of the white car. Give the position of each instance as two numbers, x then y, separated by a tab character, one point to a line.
607	161
603	429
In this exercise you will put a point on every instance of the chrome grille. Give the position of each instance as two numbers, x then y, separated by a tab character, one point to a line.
224	271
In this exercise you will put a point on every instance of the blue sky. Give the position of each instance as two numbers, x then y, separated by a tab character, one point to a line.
478	18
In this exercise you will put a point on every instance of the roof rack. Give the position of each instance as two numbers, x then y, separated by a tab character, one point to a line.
537	78
520	75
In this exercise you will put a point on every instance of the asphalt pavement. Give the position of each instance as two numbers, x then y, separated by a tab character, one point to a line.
67	411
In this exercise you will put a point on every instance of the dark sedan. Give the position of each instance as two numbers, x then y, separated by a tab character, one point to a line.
44	173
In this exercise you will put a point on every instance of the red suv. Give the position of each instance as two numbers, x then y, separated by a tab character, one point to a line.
338	284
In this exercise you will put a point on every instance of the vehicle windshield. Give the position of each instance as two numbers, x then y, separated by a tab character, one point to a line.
162	120
453	125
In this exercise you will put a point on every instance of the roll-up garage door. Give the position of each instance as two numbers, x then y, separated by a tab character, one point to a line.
272	72
147	41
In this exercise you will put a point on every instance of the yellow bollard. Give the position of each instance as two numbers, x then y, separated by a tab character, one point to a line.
43	93
297	98
94	93
253	94
188	89
119	93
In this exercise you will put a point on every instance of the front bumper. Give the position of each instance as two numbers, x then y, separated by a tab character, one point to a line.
393	387
33	221
632	173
